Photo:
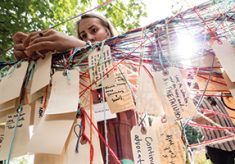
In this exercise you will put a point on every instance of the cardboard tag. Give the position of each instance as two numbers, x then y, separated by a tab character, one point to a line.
83	155
100	62
147	98
225	52
175	97
39	111
144	146
11	84
20	146
64	96
118	95
54	128
41	75
169	144
8	105
48	159
99	112
2	128
231	87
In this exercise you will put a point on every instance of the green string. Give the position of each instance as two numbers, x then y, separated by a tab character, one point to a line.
14	135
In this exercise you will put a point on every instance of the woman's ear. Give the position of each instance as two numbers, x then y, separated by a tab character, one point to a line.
108	32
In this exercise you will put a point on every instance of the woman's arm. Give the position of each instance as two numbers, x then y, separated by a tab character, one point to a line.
48	40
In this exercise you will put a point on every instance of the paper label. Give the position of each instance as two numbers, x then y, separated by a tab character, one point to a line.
39	111
175	97
118	95
144	146
48	159
21	141
83	155
8	105
54	128
11	84
147	98
99	112
169	144
100	62
64	96
225	52
1	135
41	74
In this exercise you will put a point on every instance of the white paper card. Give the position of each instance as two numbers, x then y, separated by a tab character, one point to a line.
100	62
1	135
169	143
144	146
99	112
10	85
226	55
41	75
20	145
53	132
118	95
174	95
83	155
64	96
147	98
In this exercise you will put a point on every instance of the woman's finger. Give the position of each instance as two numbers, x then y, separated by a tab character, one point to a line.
42	39
19	37
28	39
47	45
19	47
20	55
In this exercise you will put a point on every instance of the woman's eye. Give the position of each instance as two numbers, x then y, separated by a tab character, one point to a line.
84	36
94	30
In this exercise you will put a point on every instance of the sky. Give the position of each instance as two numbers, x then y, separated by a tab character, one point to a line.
159	9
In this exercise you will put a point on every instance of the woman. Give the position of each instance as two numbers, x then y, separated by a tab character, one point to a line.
91	28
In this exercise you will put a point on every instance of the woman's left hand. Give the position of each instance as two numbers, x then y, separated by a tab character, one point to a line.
50	40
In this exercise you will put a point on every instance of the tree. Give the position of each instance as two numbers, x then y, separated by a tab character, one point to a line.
34	15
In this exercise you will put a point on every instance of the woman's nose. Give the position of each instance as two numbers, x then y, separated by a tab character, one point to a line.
91	38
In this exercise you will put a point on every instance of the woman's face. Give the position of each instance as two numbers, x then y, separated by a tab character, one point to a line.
91	29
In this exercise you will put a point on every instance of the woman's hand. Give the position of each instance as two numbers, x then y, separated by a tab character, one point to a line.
19	47
50	40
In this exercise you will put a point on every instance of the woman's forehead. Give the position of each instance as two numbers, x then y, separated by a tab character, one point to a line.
86	23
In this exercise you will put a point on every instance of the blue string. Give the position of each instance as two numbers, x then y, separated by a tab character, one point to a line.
14	135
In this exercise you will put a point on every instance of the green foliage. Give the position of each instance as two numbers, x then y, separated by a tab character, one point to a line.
193	135
34	15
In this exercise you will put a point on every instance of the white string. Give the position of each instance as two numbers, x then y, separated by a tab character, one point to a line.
103	102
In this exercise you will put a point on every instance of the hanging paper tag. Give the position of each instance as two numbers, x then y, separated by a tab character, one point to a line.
21	136
10	85
169	144
99	112
8	105
48	159
41	74
100	63
54	128
118	95
226	55
147	98
174	95
144	145
83	154
2	127
64	96
39	111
